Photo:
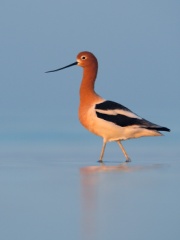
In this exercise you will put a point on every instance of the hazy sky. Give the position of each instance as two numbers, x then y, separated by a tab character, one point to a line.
136	43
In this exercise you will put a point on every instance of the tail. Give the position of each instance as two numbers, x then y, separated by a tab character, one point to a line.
154	130
158	128
152	126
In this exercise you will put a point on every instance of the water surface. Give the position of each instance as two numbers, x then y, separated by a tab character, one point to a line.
53	188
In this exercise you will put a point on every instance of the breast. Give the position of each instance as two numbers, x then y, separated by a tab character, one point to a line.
100	127
87	114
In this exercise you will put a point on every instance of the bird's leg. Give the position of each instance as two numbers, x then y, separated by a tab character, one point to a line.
124	151
102	152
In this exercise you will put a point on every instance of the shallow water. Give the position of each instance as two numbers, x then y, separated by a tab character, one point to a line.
53	188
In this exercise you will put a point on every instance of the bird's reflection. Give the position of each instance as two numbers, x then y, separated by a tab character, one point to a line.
124	167
90	184
89	192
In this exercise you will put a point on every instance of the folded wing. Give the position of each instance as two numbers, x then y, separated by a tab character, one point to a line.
123	117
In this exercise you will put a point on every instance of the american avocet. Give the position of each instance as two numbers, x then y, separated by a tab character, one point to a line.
109	120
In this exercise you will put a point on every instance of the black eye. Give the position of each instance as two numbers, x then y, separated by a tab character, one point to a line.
83	57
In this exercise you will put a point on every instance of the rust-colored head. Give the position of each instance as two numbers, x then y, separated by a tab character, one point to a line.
84	59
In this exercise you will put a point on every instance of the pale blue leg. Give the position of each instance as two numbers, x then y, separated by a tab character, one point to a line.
124	151
102	151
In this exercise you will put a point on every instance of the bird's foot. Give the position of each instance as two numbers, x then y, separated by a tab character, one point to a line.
128	159
100	161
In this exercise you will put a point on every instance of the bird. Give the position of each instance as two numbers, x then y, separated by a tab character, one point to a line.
107	119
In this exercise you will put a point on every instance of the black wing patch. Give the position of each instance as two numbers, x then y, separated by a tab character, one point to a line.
120	119
110	105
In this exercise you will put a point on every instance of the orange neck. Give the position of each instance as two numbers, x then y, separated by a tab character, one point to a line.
87	85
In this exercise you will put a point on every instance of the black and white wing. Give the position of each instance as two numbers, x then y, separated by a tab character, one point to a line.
124	117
